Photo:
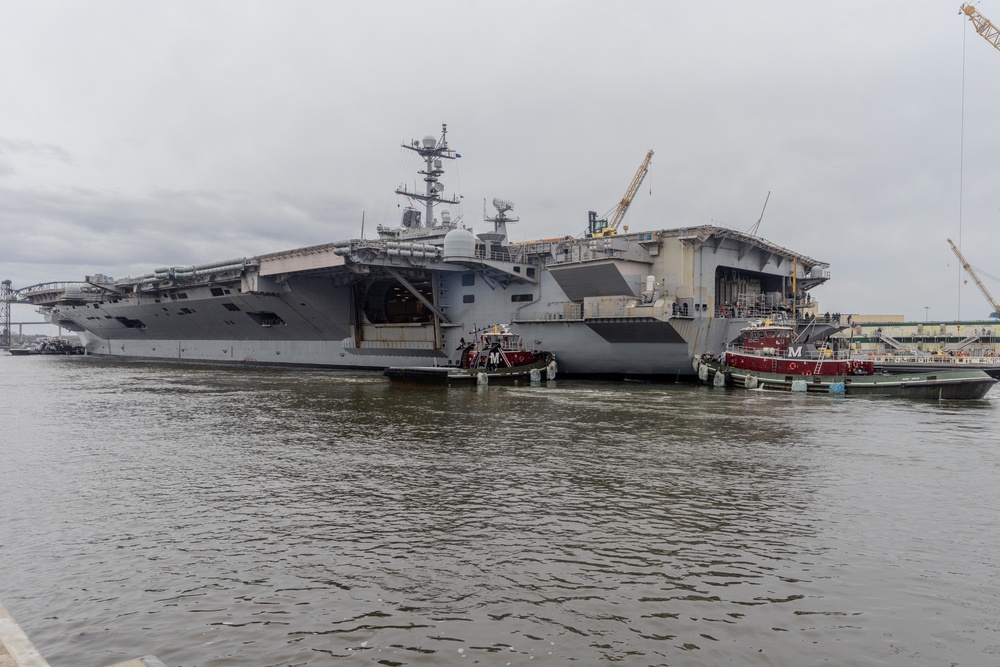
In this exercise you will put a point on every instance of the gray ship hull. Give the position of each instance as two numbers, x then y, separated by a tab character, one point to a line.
631	304
610	350
598	320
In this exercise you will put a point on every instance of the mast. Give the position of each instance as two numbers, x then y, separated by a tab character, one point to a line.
501	219
433	151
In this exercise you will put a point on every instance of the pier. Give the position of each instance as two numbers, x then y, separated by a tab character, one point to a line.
16	650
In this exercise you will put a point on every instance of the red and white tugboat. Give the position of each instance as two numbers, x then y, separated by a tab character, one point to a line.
767	356
494	353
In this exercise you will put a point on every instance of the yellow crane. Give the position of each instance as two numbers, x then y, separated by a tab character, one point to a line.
983	25
600	228
979	283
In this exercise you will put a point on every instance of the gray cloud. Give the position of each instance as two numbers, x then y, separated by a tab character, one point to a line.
141	135
13	151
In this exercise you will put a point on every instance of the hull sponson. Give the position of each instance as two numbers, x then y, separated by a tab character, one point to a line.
654	332
597	279
321	354
195	314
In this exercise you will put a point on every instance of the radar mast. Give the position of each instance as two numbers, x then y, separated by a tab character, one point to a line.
501	219
433	151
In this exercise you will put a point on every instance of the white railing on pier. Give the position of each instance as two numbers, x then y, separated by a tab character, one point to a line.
959	360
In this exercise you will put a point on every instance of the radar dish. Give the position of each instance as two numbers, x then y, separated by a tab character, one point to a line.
502	205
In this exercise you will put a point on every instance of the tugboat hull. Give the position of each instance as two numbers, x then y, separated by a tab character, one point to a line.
942	385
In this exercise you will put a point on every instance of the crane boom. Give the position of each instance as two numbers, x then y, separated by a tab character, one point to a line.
983	25
975	277
600	228
633	187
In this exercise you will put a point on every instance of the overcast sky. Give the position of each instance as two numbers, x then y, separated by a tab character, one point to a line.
136	135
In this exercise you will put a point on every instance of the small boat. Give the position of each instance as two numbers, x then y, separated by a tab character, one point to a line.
495	353
48	346
767	356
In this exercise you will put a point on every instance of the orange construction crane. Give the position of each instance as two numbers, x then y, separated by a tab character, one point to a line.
983	25
609	227
979	283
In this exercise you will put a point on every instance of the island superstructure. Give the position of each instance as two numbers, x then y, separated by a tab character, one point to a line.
633	303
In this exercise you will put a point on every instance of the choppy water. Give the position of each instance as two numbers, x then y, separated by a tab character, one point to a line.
219	517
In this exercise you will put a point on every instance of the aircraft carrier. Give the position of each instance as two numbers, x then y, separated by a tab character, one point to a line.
607	303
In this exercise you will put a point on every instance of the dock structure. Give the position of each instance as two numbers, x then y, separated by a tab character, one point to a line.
16	650
890	335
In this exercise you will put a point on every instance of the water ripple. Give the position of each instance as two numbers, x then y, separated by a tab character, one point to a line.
221	517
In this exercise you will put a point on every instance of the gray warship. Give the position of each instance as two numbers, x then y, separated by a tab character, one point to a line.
605	303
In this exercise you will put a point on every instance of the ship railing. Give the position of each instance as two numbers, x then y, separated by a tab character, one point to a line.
777	314
822	354
41	288
754	312
43	294
497	256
